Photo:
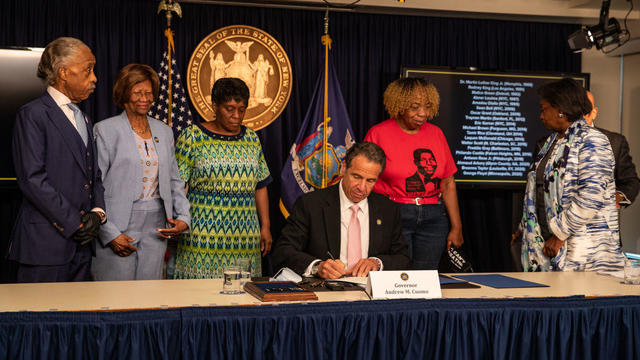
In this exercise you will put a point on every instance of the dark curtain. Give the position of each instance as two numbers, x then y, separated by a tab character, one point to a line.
368	51
548	328
10	199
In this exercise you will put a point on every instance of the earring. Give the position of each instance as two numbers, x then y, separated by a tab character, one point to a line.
560	115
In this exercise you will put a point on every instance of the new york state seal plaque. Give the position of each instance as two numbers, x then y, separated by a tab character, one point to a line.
247	53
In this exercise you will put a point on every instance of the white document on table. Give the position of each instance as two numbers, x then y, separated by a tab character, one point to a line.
362	280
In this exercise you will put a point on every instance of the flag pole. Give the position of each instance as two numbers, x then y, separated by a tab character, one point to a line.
169	34
326	41
169	7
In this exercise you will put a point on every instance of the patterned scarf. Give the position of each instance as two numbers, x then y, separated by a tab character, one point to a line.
532	242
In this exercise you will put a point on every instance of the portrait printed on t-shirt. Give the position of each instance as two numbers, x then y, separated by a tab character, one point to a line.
423	180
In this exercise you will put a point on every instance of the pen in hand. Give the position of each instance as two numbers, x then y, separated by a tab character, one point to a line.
336	261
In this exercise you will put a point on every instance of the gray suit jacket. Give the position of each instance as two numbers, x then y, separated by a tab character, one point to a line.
122	171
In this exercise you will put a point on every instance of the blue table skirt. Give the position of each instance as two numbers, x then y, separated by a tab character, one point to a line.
549	328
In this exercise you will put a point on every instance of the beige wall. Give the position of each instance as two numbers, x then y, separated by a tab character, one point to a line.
605	85
578	11
631	129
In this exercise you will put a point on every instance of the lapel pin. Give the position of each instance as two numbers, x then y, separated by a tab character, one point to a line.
155	138
379	222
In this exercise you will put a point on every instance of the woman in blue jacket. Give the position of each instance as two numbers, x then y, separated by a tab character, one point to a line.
144	195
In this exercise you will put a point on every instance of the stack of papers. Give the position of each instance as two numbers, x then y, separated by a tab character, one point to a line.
353	279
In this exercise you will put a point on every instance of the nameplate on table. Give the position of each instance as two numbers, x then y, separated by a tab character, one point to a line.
410	284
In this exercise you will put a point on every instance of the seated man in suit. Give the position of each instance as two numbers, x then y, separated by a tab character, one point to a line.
361	228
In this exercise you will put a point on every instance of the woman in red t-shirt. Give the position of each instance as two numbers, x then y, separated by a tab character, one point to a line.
419	171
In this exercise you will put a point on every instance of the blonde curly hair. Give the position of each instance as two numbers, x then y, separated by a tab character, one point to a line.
403	92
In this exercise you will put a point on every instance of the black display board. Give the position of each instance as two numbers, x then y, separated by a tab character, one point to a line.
491	121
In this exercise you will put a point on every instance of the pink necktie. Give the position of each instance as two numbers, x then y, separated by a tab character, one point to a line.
354	251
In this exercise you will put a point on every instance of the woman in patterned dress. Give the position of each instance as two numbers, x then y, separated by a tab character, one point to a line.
570	219
227	176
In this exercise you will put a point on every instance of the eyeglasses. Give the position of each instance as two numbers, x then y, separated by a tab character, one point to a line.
139	94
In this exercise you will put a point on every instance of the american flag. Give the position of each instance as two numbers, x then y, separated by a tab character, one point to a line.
180	114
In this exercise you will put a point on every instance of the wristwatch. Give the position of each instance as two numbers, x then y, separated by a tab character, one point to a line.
314	268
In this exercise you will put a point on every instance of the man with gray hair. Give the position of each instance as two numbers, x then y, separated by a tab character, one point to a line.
363	230
54	153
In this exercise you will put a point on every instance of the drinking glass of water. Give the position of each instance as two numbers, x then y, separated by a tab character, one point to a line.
245	272
231	280
632	271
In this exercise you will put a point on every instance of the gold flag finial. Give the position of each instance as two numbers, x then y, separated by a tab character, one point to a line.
169	7
326	39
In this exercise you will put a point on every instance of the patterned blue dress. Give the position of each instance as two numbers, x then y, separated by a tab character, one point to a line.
223	173
580	204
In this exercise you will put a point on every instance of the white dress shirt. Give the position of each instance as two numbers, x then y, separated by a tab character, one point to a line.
345	219
62	100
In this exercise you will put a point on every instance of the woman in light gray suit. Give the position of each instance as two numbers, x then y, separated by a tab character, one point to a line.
144	195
